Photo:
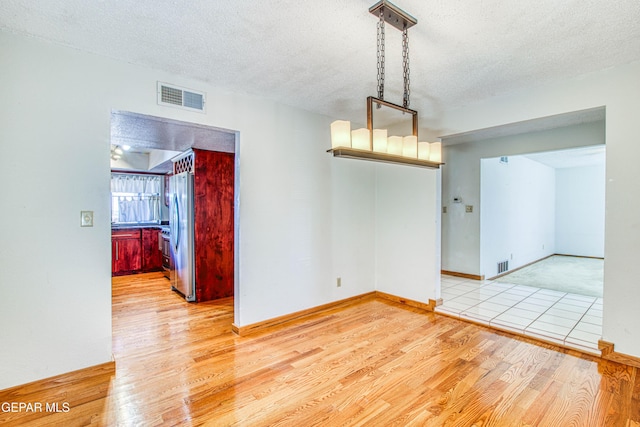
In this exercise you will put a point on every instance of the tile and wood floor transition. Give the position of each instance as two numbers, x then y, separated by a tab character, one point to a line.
558	317
374	362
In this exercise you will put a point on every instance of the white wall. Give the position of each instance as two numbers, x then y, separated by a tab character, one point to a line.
461	178
305	218
517	214
54	275
530	211
407	261
618	89
580	209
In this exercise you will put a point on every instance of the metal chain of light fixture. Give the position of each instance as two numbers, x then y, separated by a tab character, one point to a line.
405	67
381	55
381	62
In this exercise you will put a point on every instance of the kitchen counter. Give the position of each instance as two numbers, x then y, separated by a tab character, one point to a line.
130	226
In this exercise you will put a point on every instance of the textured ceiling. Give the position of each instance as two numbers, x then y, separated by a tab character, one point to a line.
149	133
323	59
596	114
578	157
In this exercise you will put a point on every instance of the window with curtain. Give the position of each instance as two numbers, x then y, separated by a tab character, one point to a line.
135	198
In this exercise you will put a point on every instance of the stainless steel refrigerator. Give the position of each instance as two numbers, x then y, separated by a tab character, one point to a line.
181	223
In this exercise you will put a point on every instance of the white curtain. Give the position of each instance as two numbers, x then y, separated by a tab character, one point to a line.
135	198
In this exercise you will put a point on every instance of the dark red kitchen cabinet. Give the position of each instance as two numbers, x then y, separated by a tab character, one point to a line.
213	224
126	251
151	250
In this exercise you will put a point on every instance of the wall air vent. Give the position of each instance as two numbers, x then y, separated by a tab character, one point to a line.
175	96
503	266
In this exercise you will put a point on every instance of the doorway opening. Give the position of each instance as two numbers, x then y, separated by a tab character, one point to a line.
534	189
152	142
542	219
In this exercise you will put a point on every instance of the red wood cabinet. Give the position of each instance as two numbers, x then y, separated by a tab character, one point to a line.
126	251
135	250
213	224
151	249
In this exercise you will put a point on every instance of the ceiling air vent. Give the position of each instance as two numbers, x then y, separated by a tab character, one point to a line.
176	96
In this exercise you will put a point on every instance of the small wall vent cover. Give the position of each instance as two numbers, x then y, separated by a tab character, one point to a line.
503	266
175	96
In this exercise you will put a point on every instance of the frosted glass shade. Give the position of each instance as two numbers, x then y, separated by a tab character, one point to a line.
394	145
341	134
360	139
423	150
435	152
410	146
380	140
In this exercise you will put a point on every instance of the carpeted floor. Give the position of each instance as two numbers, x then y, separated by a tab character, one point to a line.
583	276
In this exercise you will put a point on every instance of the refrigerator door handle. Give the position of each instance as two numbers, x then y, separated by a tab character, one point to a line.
177	221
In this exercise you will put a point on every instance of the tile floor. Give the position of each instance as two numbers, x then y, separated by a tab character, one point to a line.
567	319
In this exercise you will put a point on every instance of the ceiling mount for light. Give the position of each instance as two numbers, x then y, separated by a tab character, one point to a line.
374	144
393	15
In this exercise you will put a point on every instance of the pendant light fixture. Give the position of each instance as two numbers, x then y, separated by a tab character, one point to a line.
375	144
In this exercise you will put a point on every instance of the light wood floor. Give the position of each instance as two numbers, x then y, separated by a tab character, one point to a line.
373	363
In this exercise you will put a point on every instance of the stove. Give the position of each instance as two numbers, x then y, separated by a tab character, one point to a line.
167	265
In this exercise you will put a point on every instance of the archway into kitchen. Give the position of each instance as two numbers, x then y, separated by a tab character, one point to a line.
152	142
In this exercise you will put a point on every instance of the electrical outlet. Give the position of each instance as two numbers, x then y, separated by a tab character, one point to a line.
339	282
468	208
444	209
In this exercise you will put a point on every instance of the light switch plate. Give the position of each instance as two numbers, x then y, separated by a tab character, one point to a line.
86	218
